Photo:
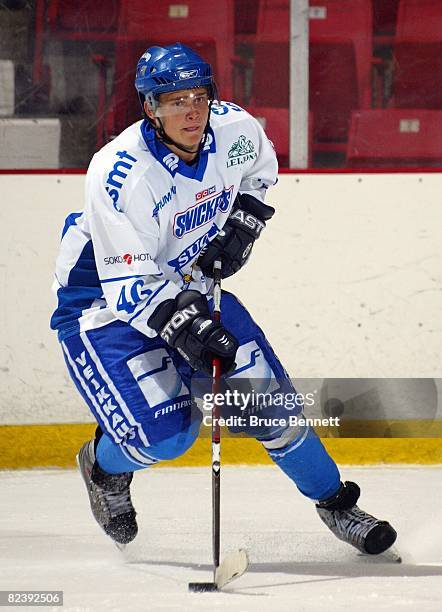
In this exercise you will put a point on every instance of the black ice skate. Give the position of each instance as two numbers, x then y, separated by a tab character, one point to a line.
109	496
354	526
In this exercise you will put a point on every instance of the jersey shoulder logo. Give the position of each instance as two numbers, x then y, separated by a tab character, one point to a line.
222	108
241	151
209	143
171	161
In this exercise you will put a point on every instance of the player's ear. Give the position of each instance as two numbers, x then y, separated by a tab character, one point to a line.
148	110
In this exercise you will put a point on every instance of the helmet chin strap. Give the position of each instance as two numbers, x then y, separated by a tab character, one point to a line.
161	133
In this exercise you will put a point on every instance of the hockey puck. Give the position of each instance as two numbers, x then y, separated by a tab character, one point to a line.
202	587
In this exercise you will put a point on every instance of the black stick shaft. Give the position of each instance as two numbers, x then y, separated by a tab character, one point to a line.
216	433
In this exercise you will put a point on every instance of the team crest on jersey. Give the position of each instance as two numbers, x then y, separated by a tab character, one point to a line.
241	151
199	214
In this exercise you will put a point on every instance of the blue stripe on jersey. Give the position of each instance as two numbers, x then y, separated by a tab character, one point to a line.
71	303
69	221
82	290
120	278
84	273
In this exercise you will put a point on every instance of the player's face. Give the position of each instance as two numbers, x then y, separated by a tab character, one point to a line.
184	115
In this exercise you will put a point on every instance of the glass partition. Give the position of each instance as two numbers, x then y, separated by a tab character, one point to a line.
374	68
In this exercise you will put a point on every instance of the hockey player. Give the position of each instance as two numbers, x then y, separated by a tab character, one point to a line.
172	193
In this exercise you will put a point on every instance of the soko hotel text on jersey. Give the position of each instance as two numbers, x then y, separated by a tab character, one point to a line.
198	215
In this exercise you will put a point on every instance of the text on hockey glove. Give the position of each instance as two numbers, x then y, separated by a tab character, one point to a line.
186	325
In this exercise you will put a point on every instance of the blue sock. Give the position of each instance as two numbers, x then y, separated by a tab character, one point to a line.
307	463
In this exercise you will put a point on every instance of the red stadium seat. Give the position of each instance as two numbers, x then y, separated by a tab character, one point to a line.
276	128
246	17
75	20
384	19
124	107
275	125
418	55
395	138
82	19
340	64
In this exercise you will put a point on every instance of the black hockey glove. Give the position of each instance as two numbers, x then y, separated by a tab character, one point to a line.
186	325
234	242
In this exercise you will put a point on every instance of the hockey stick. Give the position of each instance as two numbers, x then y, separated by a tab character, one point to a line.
235	563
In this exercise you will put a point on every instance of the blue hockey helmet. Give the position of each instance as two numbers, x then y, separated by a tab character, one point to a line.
171	68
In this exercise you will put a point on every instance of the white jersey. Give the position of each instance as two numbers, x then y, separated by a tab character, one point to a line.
148	215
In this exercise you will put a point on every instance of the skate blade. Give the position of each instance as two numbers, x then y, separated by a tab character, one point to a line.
232	567
391	555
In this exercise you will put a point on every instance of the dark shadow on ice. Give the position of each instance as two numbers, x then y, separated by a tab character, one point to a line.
366	568
361	569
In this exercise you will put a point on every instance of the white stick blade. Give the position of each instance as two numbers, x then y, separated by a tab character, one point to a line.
232	566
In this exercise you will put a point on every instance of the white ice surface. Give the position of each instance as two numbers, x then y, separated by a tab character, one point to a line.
48	540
